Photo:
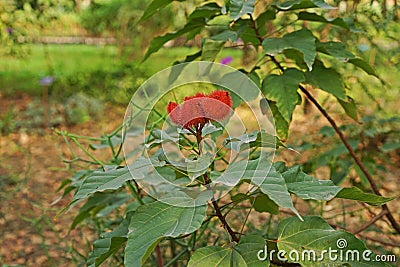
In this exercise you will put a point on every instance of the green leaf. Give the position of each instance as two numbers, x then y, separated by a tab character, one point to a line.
349	107
281	125
154	6
239	86
199	166
360	63
227	35
273	185
99	181
239	8
301	4
196	21
263	203
302	40
211	49
282	89
335	49
99	204
326	79
390	146
153	221
312	239
254	139
315	17
355	193
308	187
193	26
244	254
104	248
262	19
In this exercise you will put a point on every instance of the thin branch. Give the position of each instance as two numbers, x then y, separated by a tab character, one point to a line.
371	222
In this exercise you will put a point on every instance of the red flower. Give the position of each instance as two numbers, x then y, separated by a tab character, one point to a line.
197	110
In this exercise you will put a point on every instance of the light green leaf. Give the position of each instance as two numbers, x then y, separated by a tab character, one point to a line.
326	79
355	193
308	187
282	89
239	8
243	254
312	240
153	221
302	40
211	49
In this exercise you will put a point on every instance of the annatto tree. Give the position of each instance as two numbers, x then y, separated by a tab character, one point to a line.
152	209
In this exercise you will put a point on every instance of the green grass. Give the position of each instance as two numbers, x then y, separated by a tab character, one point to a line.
23	74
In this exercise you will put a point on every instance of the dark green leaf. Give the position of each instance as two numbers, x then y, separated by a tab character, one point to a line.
261	20
390	146
282	89
360	63
153	221
335	49
99	203
315	17
301	4
355	193
314	238
227	35
302	40
349	107
326	79
263	203
281	125
243	254
239	8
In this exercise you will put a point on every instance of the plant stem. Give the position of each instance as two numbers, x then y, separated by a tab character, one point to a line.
207	182
135	193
